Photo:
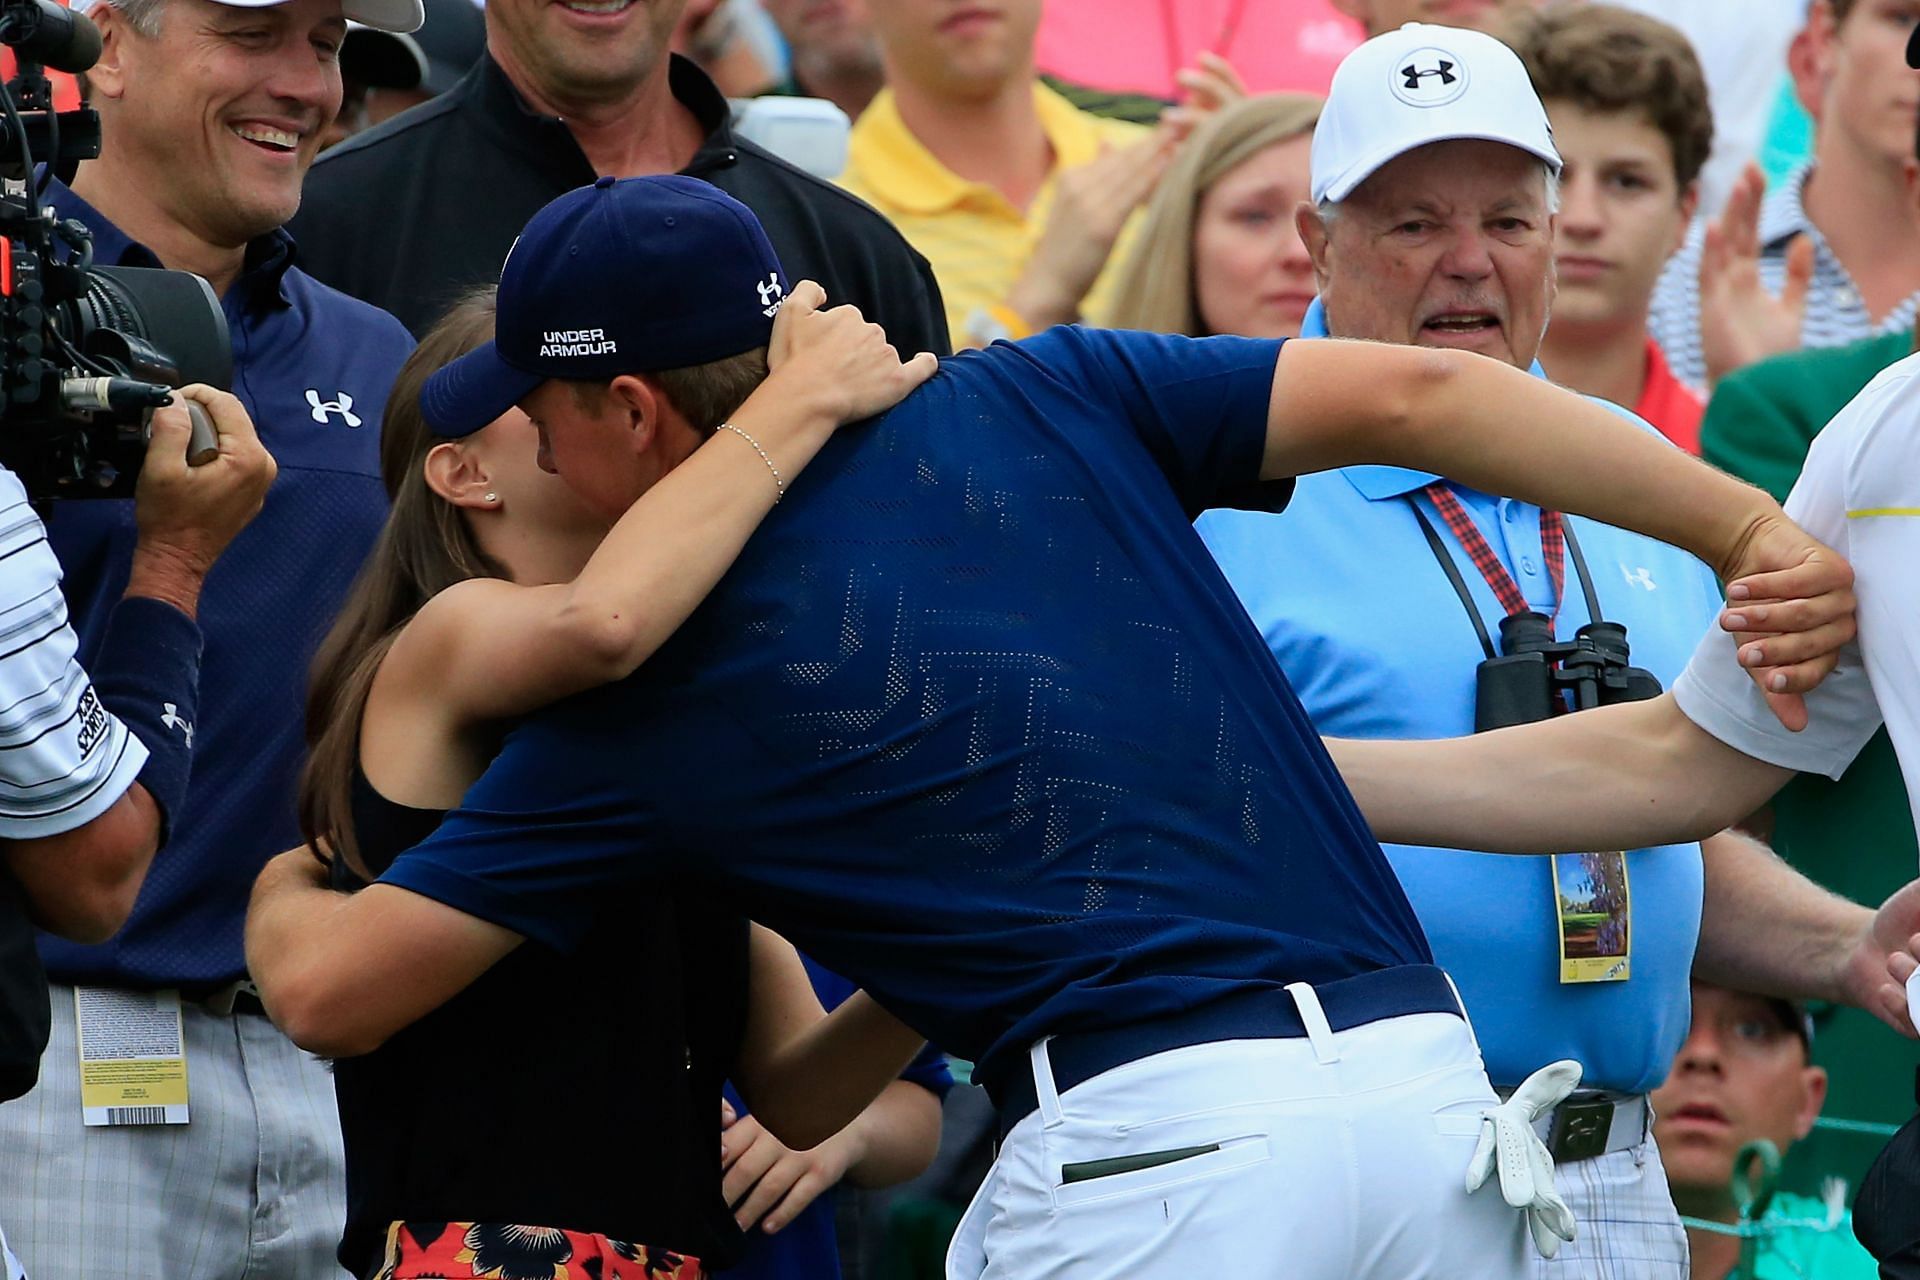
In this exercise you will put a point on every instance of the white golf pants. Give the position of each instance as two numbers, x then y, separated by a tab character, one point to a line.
1337	1156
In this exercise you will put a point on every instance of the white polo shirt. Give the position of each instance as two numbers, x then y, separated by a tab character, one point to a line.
1860	494
64	758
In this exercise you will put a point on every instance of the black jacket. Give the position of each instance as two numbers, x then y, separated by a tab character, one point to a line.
25	1010
415	212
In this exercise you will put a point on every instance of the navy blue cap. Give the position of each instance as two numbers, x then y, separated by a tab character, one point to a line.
625	276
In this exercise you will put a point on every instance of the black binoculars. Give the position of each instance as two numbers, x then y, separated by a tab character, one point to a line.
1538	675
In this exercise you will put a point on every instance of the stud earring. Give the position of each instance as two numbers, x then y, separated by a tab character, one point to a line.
493	497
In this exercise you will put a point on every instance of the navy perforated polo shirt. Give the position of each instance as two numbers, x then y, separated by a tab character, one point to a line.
313	367
974	720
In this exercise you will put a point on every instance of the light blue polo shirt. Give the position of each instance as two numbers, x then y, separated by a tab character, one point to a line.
1376	644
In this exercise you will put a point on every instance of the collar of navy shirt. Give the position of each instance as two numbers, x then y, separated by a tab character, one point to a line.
262	282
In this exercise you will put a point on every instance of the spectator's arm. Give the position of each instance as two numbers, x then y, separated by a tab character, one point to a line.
1741	323
1092	203
1764	927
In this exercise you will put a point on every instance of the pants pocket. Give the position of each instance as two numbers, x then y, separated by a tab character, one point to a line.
1191	1163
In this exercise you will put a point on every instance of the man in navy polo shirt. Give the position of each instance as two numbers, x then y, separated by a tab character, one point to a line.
1435	228
976	721
211	114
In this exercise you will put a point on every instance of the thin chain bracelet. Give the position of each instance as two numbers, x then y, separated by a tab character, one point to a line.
779	485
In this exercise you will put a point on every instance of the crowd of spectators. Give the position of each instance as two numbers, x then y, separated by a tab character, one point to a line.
347	173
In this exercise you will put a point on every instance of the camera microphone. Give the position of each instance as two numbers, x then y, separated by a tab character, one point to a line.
50	34
128	396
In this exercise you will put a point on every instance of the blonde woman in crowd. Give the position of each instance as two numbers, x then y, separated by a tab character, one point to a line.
1217	252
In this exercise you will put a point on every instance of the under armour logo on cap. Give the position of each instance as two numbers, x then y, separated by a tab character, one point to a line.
771	294
1429	78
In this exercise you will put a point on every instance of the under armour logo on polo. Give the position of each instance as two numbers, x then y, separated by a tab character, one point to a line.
1429	78
342	406
771	295
173	720
1638	577
1415	76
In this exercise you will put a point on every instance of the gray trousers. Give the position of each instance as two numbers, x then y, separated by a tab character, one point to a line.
253	1188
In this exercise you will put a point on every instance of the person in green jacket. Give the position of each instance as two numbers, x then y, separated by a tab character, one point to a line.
1745	1073
1854	836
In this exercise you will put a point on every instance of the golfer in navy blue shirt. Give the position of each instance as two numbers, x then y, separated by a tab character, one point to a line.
977	723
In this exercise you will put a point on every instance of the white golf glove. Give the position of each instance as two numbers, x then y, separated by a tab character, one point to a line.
1507	1140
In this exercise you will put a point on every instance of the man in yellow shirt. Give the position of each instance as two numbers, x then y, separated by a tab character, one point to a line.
1018	198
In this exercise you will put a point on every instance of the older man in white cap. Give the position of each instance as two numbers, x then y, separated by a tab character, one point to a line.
1405	605
197	1141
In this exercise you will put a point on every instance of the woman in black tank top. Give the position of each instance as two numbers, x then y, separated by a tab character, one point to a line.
560	1110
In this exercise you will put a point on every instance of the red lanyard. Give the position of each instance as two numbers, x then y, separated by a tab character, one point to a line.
1553	545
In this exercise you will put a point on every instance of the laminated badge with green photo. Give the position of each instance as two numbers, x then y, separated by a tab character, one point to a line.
1596	916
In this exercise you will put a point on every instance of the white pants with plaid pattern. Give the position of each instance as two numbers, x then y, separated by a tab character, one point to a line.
1629	1229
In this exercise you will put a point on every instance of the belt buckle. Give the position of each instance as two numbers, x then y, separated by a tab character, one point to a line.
1580	1130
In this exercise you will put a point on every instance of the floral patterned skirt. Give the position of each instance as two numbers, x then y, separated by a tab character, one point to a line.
502	1251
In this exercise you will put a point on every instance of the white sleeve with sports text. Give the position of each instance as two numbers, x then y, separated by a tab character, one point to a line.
64	758
1859	493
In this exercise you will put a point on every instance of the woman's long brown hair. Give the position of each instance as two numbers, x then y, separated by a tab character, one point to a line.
425	548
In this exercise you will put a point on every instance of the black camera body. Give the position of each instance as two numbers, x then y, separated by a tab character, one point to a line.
86	353
1536	676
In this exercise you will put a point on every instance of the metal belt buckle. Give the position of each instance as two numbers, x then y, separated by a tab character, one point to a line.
1580	1129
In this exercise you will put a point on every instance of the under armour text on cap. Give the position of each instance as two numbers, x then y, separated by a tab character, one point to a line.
386	15
1421	84
625	276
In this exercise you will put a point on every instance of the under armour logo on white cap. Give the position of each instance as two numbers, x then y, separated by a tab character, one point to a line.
1429	78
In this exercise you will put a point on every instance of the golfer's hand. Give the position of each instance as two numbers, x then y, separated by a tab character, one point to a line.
1790	604
764	1180
1508	1143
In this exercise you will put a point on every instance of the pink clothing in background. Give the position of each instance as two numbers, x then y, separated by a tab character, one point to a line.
1137	45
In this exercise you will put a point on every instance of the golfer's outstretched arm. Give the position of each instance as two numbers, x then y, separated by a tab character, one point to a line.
1621	777
1491	426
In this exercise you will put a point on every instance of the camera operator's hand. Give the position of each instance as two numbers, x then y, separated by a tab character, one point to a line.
187	515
